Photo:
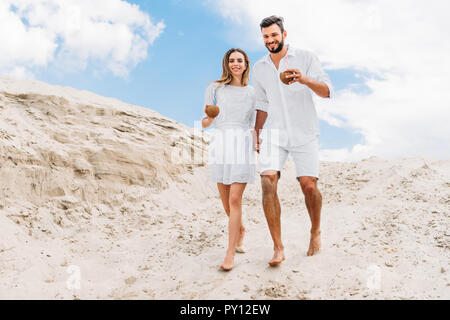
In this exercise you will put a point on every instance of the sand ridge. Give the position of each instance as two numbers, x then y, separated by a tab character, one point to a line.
112	190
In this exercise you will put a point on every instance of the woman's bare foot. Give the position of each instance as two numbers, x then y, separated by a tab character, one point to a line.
240	241
227	264
240	250
278	257
314	243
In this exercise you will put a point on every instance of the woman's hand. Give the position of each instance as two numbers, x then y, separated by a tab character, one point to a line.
206	121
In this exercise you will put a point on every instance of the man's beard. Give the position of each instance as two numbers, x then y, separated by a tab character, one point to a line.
277	49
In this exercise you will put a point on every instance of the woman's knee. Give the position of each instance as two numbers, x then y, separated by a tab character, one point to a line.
235	200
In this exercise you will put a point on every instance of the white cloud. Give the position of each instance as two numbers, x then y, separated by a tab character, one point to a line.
21	73
112	35
403	44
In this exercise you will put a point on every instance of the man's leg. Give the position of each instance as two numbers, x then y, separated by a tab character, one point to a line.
271	159
313	201
272	211
306	159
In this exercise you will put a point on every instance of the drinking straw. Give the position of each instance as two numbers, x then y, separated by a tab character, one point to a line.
287	60
214	100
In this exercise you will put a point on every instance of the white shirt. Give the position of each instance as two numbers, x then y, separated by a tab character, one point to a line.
290	108
236	105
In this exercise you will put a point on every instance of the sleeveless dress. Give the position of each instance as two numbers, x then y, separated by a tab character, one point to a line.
230	156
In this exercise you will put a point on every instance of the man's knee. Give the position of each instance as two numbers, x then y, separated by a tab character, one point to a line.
269	183
271	173
308	185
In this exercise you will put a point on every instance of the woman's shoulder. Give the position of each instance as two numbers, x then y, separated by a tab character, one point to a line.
213	85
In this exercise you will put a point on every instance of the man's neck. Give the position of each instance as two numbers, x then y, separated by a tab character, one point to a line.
276	57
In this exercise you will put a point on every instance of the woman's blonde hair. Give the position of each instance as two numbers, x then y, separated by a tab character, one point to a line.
227	77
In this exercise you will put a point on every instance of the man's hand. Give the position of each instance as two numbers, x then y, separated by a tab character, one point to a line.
256	141
261	117
296	76
320	88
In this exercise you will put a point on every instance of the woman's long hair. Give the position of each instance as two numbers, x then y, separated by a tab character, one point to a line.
227	76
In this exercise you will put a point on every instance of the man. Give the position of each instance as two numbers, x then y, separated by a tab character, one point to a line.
291	127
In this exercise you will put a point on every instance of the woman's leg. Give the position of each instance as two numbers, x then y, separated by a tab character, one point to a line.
234	222
224	191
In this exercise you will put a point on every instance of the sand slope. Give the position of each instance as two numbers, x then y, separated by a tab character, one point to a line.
111	189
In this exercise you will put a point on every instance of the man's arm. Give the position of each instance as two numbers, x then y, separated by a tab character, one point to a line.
320	88
261	106
261	117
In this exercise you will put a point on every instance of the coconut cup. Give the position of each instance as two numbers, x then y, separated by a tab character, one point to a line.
212	111
284	78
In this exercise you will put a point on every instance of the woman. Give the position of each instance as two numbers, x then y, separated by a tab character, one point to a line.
231	157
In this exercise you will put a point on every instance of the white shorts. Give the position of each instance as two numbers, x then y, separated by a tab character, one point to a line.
306	158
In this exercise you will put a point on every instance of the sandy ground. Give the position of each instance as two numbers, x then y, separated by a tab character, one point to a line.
98	201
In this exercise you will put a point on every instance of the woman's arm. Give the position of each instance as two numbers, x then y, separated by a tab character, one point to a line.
209	100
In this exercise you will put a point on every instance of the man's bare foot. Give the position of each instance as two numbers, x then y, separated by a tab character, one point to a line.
227	264
314	243
278	257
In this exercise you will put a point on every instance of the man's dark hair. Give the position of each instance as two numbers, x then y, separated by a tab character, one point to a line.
267	22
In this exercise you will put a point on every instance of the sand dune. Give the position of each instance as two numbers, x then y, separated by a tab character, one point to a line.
121	194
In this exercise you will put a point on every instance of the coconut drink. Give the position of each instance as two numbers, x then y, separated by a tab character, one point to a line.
284	76
212	111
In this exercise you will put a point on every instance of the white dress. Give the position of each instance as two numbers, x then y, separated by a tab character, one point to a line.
230	156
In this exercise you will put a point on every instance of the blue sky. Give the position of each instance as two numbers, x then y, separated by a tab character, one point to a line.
180	64
162	55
